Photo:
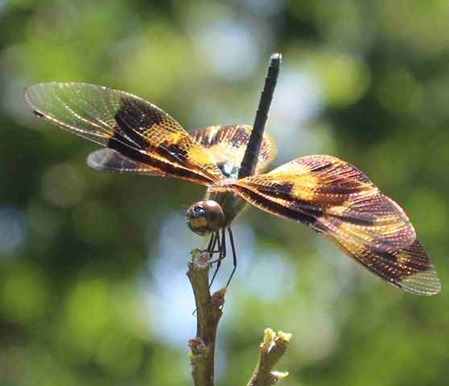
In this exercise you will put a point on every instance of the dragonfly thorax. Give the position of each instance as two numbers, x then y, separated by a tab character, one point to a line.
205	217
228	169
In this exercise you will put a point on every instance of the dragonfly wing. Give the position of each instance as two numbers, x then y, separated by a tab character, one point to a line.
108	160
338	201
128	124
227	145
408	268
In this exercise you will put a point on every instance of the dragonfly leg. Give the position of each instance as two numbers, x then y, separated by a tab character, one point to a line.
214	239
234	256
221	256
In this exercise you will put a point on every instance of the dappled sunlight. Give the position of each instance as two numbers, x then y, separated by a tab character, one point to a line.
235	54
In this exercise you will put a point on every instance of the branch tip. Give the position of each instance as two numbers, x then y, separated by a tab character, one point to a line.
277	376
272	348
200	259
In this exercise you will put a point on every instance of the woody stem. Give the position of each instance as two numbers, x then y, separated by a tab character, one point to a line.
208	311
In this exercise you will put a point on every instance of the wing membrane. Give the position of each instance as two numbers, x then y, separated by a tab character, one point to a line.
123	122
409	268
108	160
227	145
338	201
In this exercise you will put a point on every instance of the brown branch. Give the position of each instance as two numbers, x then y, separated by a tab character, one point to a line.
272	348
209	311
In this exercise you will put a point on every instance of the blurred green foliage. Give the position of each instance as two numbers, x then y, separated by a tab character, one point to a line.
92	289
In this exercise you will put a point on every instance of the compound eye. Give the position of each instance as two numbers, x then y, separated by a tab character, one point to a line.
204	217
198	211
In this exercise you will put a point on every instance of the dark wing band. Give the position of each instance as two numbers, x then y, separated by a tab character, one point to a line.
130	125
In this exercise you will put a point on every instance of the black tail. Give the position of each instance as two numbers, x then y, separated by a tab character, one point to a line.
249	161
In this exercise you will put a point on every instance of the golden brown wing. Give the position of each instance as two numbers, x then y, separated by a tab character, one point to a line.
338	201
227	145
123	122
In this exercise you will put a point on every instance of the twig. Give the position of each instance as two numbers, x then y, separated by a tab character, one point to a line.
209	311
272	348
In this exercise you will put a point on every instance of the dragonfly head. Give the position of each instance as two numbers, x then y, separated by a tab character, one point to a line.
205	217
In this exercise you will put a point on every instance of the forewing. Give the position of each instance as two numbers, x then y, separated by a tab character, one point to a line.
341	203
227	145
123	122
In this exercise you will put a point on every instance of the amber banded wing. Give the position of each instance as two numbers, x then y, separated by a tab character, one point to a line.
338	201
128	124
227	145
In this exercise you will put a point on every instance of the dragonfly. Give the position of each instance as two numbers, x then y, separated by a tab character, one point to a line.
328	195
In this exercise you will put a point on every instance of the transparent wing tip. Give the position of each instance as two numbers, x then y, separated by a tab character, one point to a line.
109	160
104	160
424	283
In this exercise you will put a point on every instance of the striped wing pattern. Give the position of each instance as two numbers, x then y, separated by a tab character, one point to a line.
325	193
123	122
225	144
338	201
